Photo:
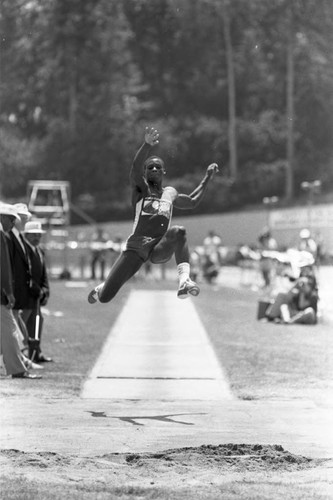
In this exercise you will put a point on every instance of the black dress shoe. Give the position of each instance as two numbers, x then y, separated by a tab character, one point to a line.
43	359
26	375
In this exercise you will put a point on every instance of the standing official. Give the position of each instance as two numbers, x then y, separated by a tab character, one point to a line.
39	290
13	358
21	270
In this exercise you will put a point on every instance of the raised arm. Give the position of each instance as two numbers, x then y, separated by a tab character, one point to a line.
136	173
193	199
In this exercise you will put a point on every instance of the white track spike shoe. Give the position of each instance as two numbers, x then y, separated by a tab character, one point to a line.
94	294
188	287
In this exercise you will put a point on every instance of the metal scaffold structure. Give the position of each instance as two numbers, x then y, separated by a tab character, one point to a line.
49	202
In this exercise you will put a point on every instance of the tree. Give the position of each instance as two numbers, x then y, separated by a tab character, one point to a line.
231	91
296	39
290	82
81	80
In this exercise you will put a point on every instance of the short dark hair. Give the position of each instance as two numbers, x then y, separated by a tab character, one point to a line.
153	159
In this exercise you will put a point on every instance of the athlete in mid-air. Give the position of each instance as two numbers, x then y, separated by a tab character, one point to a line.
152	237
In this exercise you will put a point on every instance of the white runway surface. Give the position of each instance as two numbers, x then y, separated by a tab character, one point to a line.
157	349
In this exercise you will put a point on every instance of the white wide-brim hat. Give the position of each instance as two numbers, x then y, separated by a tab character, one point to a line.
22	209
7	209
33	227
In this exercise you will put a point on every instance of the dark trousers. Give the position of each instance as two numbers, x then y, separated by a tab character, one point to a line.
35	336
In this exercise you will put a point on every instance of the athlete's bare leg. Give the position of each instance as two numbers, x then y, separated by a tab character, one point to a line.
127	264
175	242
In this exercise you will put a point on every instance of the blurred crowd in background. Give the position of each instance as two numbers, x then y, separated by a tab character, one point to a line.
286	275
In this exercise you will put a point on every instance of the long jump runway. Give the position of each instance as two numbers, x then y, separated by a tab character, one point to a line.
158	385
158	349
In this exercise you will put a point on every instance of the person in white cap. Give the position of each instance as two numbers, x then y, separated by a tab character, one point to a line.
13	358
307	243
39	290
21	269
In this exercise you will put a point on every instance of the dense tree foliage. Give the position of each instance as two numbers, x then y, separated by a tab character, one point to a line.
248	84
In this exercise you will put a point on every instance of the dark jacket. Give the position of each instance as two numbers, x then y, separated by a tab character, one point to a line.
21	272
6	271
39	288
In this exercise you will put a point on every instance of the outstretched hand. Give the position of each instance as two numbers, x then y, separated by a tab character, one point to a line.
212	169
151	136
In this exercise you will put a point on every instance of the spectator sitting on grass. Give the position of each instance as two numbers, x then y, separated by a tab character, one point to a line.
300	303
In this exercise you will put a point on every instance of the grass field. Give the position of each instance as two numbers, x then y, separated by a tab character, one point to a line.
262	361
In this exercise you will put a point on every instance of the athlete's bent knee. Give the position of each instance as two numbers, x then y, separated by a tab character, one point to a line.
178	232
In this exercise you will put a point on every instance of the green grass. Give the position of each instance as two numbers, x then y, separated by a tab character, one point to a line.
266	360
